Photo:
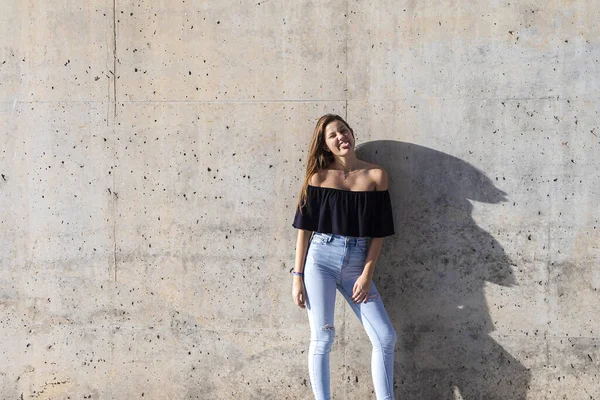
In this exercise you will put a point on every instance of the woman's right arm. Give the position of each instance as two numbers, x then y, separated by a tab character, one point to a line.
298	292
301	247
302	241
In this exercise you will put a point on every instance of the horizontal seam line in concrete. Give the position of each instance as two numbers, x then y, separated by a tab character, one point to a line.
164	328
298	100
176	101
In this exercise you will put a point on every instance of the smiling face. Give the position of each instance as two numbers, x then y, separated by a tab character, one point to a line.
339	139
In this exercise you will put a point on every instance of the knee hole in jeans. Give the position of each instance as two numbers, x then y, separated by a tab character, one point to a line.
324	339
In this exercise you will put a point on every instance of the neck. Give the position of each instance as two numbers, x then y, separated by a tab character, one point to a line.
346	164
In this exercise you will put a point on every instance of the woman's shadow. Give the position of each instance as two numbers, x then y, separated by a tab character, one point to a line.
432	273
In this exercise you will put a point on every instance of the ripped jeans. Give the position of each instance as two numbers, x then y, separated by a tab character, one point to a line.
336	261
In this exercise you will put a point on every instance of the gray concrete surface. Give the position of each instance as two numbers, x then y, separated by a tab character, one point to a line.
151	154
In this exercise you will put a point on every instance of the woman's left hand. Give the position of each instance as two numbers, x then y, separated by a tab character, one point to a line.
360	291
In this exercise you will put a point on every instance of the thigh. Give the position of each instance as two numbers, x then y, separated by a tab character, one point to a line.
372	314
320	283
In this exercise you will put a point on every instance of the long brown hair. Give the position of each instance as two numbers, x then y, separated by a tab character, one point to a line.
318	158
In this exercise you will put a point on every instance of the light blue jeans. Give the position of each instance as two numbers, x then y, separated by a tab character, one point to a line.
336	261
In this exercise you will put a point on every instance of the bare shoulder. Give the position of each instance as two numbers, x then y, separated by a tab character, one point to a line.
379	175
317	178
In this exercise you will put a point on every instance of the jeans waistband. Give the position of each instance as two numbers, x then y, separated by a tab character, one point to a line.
332	237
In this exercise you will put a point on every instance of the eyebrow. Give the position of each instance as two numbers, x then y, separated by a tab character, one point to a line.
341	129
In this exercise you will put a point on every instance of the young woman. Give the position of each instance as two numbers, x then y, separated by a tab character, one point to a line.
343	213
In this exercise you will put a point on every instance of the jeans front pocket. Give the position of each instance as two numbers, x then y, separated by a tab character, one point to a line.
320	238
319	241
362	244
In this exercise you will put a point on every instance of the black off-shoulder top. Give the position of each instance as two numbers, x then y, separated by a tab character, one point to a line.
345	212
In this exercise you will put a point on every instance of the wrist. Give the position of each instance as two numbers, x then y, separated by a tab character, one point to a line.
368	274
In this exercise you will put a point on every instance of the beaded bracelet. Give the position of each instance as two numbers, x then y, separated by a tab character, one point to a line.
298	273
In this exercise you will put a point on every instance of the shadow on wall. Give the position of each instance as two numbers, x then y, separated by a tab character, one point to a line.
432	274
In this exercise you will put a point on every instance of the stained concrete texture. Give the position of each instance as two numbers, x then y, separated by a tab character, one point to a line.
150	158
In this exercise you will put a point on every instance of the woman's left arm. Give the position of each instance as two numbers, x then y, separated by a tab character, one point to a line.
372	256
375	244
362	286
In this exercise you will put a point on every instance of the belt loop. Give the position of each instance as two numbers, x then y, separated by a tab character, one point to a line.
330	237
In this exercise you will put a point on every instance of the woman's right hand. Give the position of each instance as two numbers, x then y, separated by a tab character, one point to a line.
298	292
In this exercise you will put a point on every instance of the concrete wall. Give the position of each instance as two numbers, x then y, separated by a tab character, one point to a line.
150	158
